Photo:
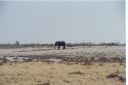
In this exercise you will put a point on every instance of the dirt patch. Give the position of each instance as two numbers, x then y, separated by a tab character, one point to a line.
76	73
61	58
116	75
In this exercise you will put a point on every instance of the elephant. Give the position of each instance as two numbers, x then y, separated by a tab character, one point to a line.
60	43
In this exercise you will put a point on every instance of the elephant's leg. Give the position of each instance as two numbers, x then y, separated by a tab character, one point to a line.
64	47
58	47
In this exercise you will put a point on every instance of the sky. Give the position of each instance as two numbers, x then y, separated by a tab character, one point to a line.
71	21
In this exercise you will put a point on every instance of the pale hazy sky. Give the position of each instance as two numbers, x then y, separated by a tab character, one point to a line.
48	21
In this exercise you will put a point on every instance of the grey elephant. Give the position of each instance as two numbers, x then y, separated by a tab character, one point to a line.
60	43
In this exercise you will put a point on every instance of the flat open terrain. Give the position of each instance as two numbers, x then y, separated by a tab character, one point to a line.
96	65
109	51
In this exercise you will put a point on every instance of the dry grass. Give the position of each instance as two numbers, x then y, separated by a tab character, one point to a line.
40	73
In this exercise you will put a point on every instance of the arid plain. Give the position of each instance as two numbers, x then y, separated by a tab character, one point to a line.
80	65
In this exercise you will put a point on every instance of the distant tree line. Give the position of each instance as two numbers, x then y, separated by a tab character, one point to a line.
19	45
95	44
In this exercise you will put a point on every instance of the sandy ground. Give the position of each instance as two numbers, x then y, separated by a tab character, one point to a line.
64	73
109	51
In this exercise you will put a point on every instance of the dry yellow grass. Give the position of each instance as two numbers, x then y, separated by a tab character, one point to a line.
34	73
